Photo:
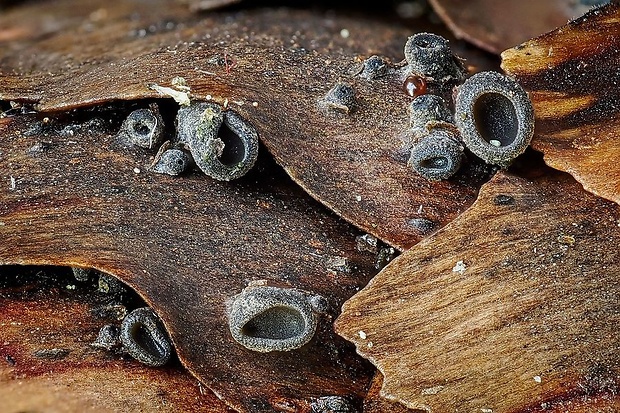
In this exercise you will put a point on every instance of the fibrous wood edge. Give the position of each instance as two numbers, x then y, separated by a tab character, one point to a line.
510	308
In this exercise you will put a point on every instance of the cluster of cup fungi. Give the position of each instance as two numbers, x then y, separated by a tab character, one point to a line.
493	116
487	113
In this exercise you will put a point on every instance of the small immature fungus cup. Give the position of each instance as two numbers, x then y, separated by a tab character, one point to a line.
223	144
143	128
374	68
495	117
340	98
429	55
437	155
143	336
171	161
265	319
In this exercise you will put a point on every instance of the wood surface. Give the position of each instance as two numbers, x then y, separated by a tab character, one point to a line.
495	25
272	67
47	363
512	307
572	77
187	245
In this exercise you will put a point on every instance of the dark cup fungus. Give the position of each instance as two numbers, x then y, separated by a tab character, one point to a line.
495	117
143	128
170	161
428	108
429	55
438	154
266	319
340	98
223	144
143	336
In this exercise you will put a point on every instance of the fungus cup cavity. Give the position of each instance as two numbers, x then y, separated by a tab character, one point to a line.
437	155
223	144
495	117
144	128
265	319
143	336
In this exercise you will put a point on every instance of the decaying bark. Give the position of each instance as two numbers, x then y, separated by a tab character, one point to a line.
513	307
187	245
573	80
495	25
47	362
270	66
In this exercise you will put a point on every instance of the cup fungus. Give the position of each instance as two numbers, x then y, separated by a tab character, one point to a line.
374	68
223	144
332	404
170	161
143	336
428	108
340	98
143	128
438	154
495	117
265	319
429	55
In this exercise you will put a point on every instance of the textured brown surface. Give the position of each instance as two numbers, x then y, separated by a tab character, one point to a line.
496	25
573	80
282	60
375	403
187	245
530	322
34	321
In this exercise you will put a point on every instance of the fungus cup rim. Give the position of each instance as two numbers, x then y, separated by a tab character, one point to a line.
256	300
485	83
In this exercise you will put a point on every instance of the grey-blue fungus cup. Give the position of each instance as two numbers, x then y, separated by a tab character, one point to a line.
437	155
223	144
265	319
143	128
428	108
144	337
495	117
429	55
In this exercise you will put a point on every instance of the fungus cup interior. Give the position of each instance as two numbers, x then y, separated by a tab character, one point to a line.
234	150
141	127
435	162
496	118
276	323
143	337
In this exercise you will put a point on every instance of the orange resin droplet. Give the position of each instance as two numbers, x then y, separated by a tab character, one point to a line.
414	86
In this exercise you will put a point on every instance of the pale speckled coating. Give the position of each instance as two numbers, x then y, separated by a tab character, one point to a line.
144	337
198	127
264	319
481	86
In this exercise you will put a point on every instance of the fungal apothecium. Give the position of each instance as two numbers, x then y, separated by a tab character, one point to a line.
374	161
